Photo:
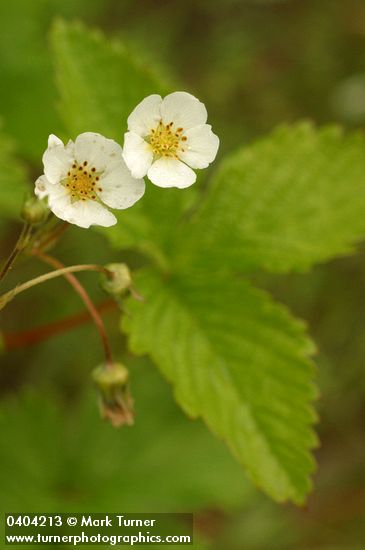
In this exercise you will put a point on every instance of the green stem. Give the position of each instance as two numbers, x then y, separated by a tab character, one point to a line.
20	245
8	296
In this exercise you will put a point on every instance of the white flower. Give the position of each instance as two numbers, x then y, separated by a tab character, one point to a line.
167	137
83	178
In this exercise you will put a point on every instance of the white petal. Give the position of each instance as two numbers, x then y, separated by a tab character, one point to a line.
58	196
166	172
137	154
119	189
81	213
146	115
89	212
57	160
184	110
41	187
201	146
54	140
97	150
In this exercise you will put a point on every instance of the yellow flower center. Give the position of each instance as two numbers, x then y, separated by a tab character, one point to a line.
167	142
82	182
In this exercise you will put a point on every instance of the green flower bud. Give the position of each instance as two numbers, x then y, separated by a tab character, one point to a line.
34	211
119	280
115	401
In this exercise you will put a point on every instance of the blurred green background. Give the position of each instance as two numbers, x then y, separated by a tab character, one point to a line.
255	63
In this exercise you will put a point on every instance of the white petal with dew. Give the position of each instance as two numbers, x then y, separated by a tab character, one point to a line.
166	172
97	150
137	154
201	146
184	110
145	116
119	189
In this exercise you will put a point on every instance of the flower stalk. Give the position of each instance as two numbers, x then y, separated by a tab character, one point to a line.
80	290
21	244
8	296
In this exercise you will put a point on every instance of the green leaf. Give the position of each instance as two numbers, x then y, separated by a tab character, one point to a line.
99	80
27	93
294	198
100	84
12	180
62	456
241	363
152	223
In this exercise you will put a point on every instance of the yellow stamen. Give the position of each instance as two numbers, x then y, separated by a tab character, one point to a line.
165	142
82	181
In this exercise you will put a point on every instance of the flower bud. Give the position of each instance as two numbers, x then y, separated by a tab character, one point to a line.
119	280
34	211
115	401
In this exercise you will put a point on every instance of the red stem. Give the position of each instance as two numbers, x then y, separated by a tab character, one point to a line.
14	340
74	282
